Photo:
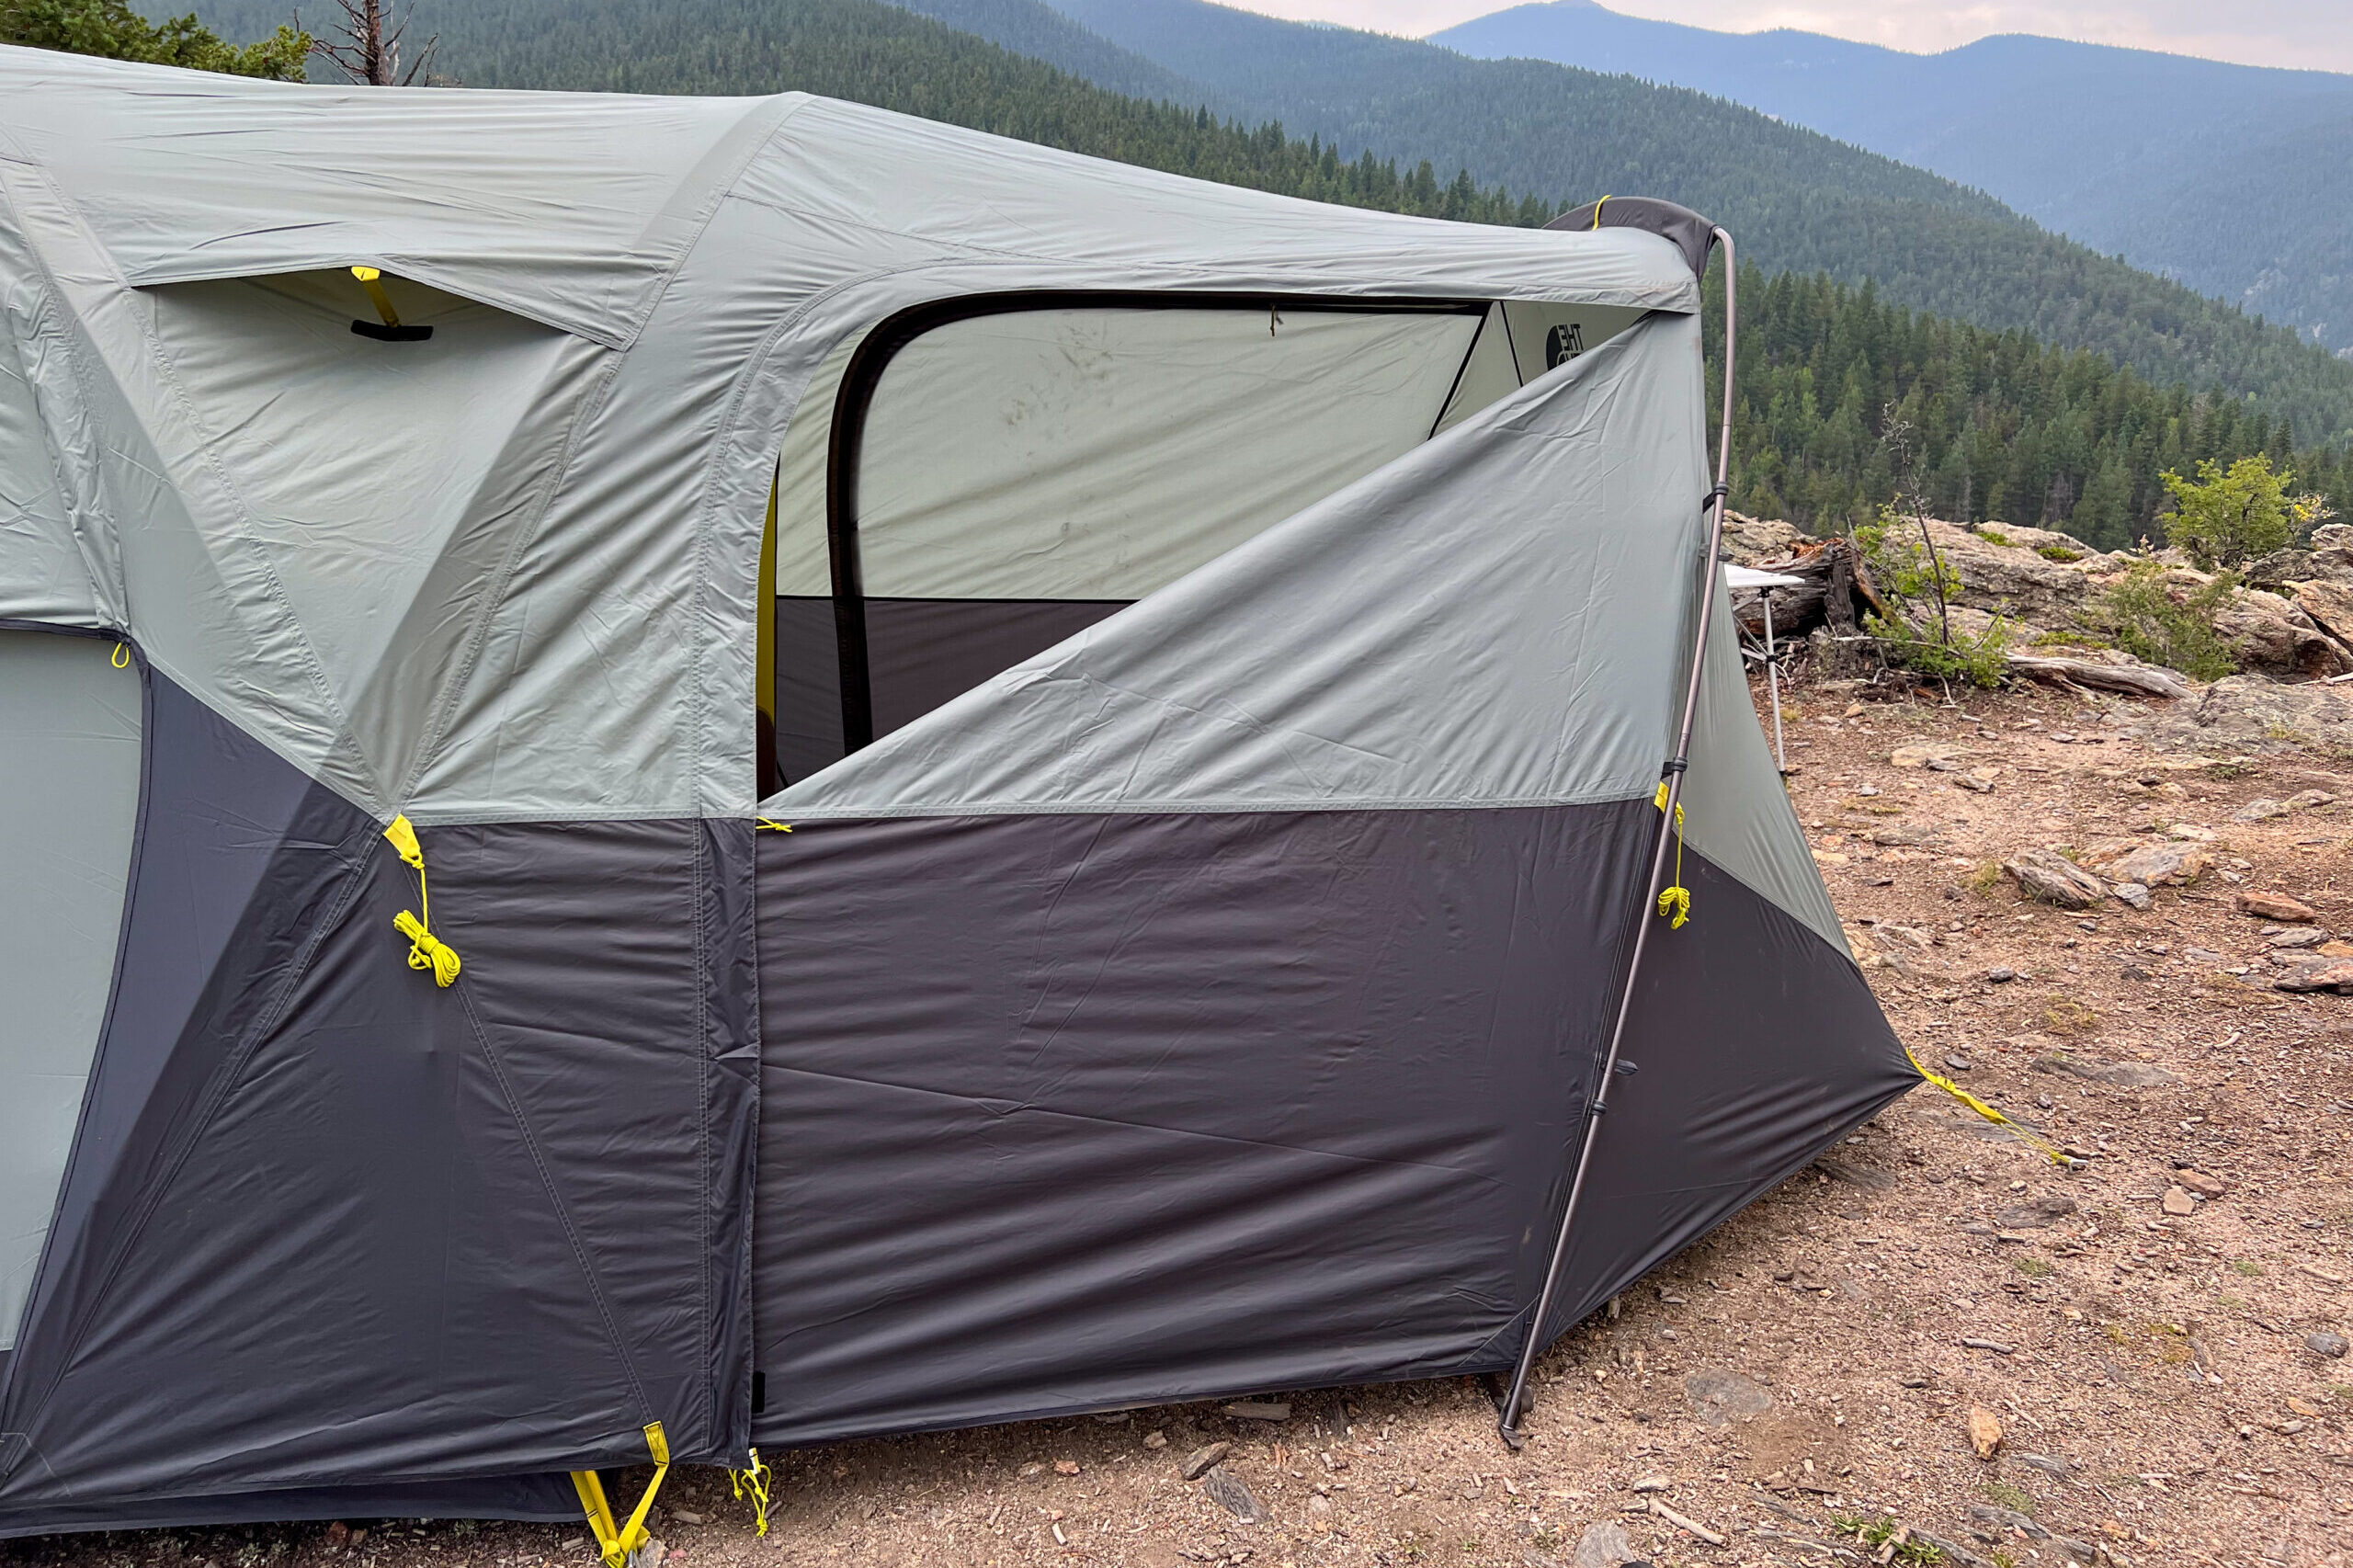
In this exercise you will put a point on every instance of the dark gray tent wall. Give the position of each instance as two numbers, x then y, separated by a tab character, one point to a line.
328	1229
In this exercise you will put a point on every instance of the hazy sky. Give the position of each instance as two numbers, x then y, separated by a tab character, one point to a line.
2313	34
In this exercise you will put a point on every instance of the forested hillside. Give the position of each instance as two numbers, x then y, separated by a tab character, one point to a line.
1796	200
2010	429
2004	429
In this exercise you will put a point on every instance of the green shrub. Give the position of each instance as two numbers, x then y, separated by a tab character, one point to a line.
2149	622
1917	584
1994	535
2229	516
2058	552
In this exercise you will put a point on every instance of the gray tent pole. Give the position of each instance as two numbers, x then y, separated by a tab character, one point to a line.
1773	680
1508	1423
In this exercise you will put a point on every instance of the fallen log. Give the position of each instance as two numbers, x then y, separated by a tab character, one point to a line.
2133	680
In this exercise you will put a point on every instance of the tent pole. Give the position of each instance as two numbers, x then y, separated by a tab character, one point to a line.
1773	680
1508	1423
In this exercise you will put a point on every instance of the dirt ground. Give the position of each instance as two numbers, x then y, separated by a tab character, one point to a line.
1802	1383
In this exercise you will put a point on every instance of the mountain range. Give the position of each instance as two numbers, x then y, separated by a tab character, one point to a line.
2235	179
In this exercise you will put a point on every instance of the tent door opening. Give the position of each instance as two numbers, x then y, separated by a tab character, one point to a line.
991	476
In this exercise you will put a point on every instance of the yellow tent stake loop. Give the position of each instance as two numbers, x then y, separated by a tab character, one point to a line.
754	1480
764	825
1596	212
371	280
1674	904
2056	1155
425	950
616	1542
121	658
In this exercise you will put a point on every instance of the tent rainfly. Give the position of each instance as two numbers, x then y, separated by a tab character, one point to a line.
683	774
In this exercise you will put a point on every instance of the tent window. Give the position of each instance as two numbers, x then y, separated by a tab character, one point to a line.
999	475
70	724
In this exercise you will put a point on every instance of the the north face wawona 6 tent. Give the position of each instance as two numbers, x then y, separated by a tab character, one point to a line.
1217	657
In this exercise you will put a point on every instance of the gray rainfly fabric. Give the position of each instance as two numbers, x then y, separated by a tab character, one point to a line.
1236	860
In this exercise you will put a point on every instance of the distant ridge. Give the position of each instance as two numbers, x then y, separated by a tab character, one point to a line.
2236	179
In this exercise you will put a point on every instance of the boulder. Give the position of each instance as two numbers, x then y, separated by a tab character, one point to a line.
2328	604
2270	634
2252	713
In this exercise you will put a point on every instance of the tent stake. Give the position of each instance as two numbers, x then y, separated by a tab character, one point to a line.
1514	1401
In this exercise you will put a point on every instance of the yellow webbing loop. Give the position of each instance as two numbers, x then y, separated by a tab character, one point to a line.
369	279
615	1542
1596	212
1674	904
764	826
2057	1155
120	659
753	1481
425	950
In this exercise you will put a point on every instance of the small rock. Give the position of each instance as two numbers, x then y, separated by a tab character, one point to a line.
2124	1074
2003	1518
2049	1464
1720	1396
1260	1410
1065	1467
2177	1201
1603	1545
1155	1439
1855	1176
2199	1182
2201	955
2318	974
2134	894
2082	1551
1958	1063
339	1536
1937	756
2310	936
1229	1493
2055	879
1649	1483
2325	1342
2175	865
2274	906
1984	1431
683	1518
2001	975
2041	1214
1199	1461
1027	1470
2261	810
2313	798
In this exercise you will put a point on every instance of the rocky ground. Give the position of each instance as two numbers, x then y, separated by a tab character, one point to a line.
1935	1344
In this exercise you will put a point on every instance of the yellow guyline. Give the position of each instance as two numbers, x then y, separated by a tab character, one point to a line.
753	1482
1674	904
2057	1155
425	950
615	1542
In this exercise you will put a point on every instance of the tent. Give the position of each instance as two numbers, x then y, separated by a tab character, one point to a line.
682	774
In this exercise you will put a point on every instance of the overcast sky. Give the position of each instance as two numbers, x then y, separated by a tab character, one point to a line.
2313	34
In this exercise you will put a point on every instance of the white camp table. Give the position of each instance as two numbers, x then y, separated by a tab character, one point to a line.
1738	578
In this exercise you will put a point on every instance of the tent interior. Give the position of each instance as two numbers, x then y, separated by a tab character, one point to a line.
967	485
